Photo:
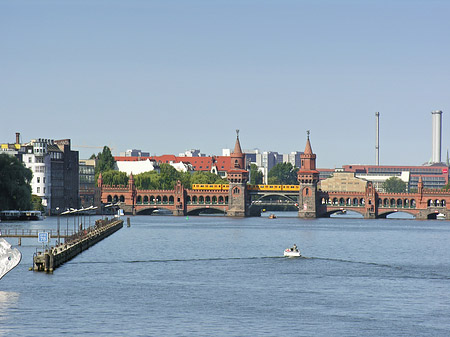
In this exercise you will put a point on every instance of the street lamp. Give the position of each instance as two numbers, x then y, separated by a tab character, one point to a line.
57	227
67	224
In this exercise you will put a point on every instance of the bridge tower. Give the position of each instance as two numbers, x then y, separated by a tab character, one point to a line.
371	204
237	177
131	195
180	197
308	177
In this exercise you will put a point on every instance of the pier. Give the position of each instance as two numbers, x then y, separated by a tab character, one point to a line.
51	258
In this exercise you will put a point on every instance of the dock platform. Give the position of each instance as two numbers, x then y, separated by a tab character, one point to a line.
50	259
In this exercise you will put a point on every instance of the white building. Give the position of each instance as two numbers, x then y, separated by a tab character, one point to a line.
37	158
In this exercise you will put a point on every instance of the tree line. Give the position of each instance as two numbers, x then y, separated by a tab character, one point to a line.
282	173
165	179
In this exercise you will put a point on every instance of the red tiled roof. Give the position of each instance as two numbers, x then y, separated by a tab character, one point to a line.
199	163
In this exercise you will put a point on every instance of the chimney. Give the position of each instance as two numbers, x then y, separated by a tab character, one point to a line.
436	137
17	137
377	139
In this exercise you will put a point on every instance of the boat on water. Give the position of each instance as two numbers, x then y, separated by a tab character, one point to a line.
9	257
292	252
440	216
20	215
272	216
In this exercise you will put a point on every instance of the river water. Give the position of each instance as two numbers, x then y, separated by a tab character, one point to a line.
220	276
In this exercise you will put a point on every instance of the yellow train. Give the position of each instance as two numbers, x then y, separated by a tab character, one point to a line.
273	187
211	187
225	187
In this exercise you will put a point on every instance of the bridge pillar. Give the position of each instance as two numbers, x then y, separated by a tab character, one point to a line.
237	199
179	200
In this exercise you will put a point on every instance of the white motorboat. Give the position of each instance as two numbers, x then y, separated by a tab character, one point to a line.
292	252
9	257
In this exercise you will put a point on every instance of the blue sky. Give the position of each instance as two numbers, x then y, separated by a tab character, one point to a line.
167	76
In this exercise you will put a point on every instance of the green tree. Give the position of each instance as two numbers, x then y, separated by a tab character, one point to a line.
200	177
15	189
256	176
105	161
283	173
147	181
394	185
169	176
115	178
36	201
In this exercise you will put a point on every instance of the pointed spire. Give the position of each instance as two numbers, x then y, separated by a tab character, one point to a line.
237	146
308	148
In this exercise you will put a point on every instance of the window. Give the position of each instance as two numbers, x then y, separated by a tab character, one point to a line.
38	179
38	190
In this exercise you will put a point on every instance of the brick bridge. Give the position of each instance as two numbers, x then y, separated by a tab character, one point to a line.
240	199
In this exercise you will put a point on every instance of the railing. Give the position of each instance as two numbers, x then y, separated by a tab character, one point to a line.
33	233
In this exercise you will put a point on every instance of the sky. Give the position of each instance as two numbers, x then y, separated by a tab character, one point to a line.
165	76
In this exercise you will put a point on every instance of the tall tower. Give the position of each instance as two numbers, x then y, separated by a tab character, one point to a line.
377	139
436	136
308	177
237	176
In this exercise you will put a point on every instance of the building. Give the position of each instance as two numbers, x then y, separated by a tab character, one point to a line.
191	153
434	176
134	153
89	192
268	159
218	165
55	170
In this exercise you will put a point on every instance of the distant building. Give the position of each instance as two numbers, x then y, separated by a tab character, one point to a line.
89	192
218	165
134	153
433	177
268	159
343	182
191	153
55	170
137	166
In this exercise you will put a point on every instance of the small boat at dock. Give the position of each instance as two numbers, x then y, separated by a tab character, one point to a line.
20	215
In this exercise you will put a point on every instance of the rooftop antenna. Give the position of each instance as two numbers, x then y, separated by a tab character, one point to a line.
377	139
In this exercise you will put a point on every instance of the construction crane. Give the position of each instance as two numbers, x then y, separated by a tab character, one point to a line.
92	147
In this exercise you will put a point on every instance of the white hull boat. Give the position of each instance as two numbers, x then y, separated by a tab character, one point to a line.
289	252
9	257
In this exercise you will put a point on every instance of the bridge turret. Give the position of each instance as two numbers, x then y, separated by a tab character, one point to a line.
420	186
100	181
237	177
308	177
237	157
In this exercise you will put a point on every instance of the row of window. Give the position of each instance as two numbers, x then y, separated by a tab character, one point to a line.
38	180
38	190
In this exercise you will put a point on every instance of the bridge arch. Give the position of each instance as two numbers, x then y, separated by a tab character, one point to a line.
383	214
